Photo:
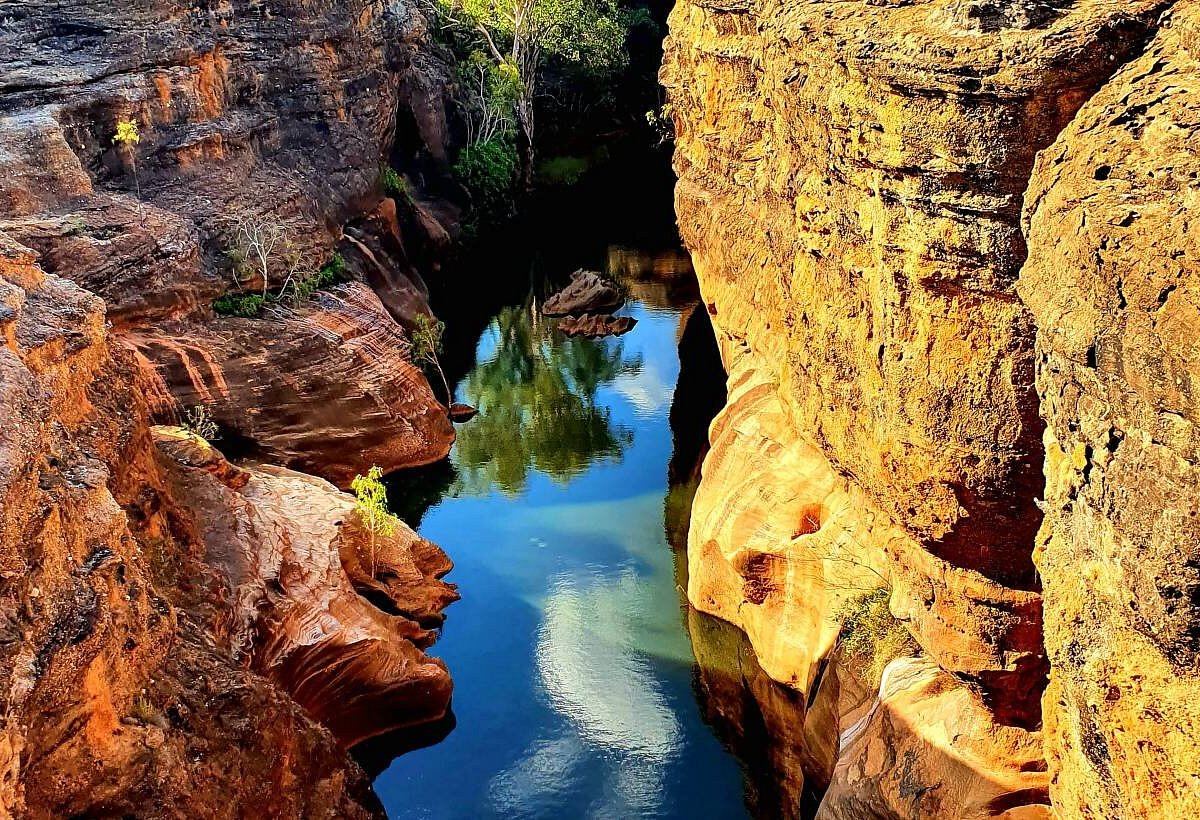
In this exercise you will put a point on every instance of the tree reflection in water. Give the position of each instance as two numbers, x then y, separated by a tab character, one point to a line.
536	395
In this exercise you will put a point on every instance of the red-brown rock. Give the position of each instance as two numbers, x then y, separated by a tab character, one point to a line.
586	292
121	694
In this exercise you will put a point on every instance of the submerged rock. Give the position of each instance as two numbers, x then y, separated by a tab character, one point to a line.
587	292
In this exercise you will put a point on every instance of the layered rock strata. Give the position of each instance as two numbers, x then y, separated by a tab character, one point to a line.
852	178
276	117
172	624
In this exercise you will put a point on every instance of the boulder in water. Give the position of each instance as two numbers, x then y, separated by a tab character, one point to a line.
588	292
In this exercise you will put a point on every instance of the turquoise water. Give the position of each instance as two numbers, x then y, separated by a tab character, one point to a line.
574	675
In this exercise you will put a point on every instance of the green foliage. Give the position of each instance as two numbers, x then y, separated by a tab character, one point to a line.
370	502
489	172
197	421
370	499
562	171
583	32
662	123
251	305
870	635
128	137
426	337
488	90
537	400
242	305
333	273
525	42
394	185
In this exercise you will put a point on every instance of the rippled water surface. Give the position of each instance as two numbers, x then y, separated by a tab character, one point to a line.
574	675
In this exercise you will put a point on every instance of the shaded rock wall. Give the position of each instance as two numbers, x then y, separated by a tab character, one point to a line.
280	111
852	177
172	624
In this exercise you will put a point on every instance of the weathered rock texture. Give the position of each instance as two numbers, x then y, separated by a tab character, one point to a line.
852	176
1113	281
342	391
587	292
281	113
163	619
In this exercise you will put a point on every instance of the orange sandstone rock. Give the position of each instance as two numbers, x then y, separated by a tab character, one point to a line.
120	694
851	185
1114	283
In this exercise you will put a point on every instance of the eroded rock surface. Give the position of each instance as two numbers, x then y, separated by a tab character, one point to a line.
852	178
928	748
290	552
340	389
1113	283
249	114
163	628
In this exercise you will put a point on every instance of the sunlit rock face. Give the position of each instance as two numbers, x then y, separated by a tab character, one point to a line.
161	624
929	748
292	557
851	186
778	542
1112	280
279	114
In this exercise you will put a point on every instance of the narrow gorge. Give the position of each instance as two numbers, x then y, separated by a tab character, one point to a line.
865	488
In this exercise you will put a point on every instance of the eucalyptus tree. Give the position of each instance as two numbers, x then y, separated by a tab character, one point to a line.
522	37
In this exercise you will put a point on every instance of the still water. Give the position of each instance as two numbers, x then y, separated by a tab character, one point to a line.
575	680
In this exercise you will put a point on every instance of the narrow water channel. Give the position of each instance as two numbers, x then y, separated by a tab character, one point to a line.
577	692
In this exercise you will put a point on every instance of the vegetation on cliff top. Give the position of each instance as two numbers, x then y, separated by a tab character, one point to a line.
518	60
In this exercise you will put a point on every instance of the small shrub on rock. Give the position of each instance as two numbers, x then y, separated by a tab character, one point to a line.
871	637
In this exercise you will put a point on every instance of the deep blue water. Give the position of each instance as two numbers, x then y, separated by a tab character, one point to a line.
572	666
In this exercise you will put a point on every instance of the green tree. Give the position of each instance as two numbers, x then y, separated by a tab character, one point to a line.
426	338
372	506
521	37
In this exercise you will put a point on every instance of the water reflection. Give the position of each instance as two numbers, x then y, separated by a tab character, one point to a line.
573	670
786	750
536	393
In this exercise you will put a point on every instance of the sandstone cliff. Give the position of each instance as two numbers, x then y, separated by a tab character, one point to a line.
166	615
183	636
1114	285
278	113
852	177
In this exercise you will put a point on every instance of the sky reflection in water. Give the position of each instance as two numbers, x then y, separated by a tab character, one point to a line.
573	672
